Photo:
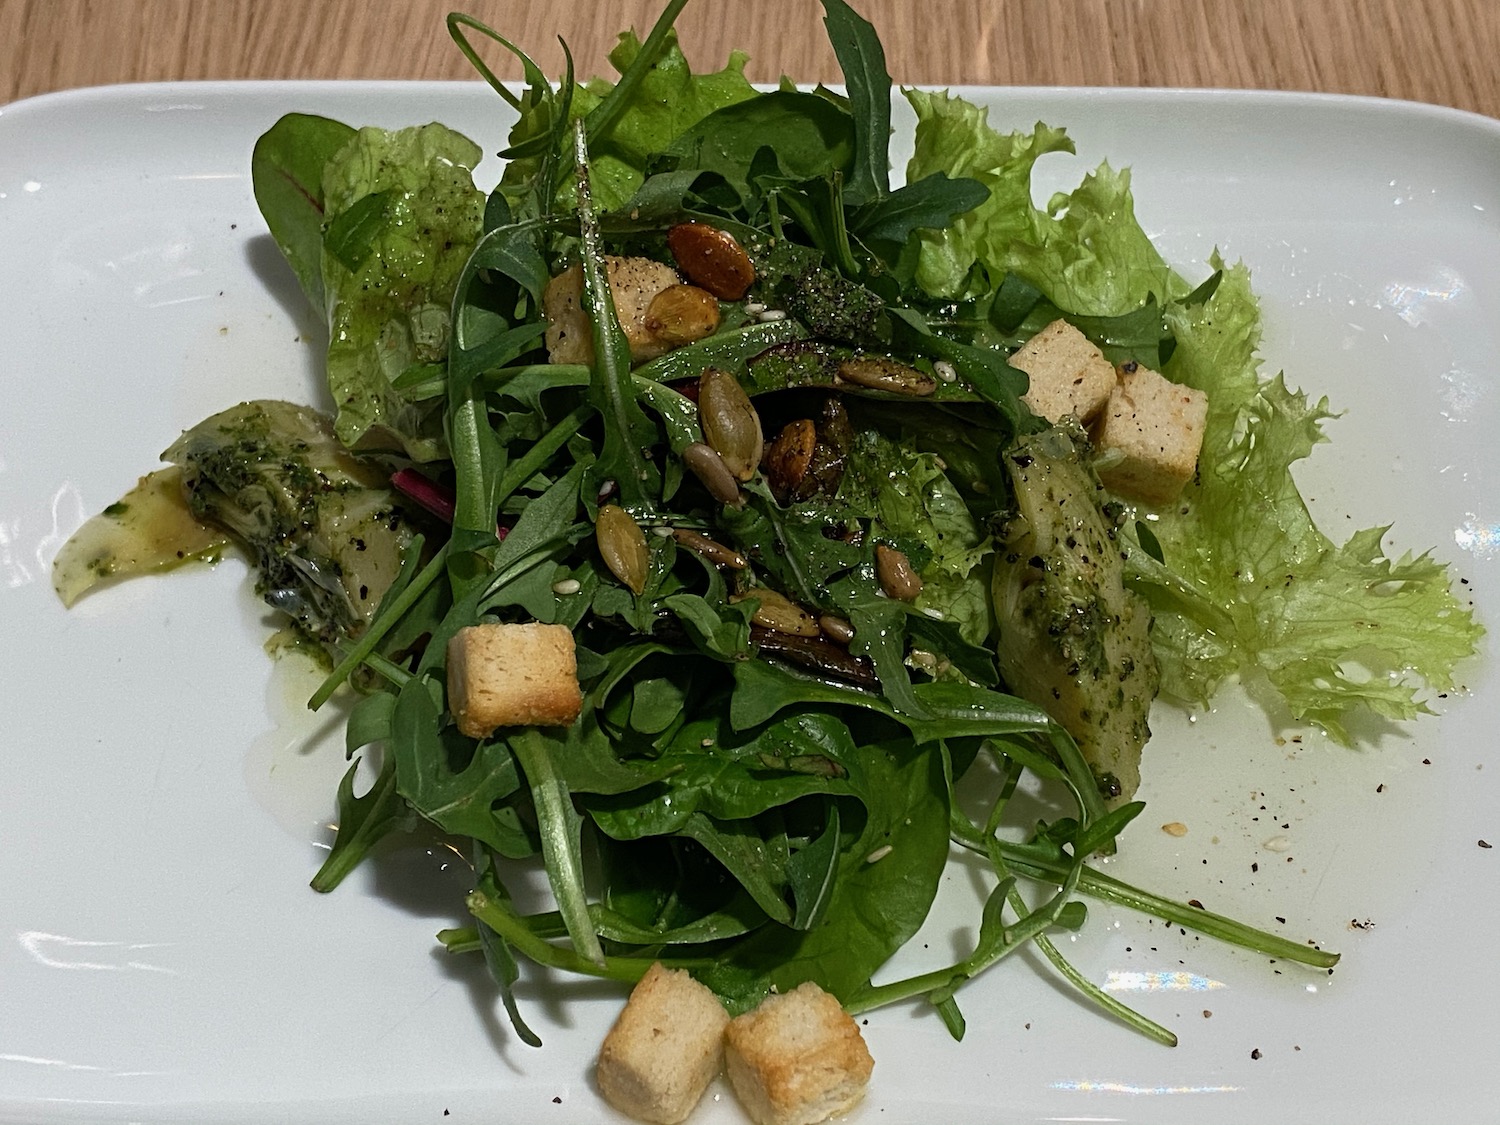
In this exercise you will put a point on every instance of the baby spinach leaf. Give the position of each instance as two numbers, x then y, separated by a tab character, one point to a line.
286	173
875	906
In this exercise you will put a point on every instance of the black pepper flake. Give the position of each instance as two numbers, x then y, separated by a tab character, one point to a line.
1255	1054
1380	788
557	1100
1485	844
1195	904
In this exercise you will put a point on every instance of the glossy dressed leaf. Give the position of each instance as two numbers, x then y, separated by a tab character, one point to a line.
286	173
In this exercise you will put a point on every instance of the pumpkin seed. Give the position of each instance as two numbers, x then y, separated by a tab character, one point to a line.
622	545
680	314
730	423
879	373
712	258
779	613
786	459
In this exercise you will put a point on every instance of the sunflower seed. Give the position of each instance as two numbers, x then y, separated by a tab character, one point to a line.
711	549
709	468
897	578
836	628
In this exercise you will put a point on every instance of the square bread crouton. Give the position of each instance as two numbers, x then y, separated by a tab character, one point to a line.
633	283
665	1048
1148	436
796	1059
1069	375
517	675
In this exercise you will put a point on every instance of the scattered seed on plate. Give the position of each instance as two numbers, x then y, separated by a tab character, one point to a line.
1174	828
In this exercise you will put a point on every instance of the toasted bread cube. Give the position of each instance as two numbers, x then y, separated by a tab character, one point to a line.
1148	436
796	1059
503	675
1069	375
633	283
664	1049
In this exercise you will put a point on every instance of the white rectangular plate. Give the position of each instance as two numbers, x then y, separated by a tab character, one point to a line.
164	798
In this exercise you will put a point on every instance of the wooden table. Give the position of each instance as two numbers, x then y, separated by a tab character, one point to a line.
1441	51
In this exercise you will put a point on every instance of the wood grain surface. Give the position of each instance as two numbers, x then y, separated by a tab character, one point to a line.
1441	51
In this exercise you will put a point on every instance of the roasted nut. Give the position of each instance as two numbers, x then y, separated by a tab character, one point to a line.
836	628
711	549
897	578
779	613
680	314
879	373
709	468
786	459
730	423
622	545
712	258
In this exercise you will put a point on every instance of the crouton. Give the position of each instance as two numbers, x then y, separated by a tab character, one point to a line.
797	1059
664	1049
1148	436
633	282
1069	375
512	675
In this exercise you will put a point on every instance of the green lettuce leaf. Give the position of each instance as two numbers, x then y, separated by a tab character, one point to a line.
402	215
670	100
909	498
1249	586
1085	251
1267	595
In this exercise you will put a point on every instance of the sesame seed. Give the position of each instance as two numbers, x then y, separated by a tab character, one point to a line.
754	308
772	314
945	371
879	853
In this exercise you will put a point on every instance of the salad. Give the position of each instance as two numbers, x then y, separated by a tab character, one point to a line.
820	560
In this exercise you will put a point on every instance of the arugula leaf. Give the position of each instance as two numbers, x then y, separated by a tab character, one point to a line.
868	83
668	99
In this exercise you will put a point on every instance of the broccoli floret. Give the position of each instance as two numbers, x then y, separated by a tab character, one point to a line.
793	277
1072	638
324	528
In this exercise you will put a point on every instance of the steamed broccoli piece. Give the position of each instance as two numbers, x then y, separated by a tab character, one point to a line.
1072	638
324	528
